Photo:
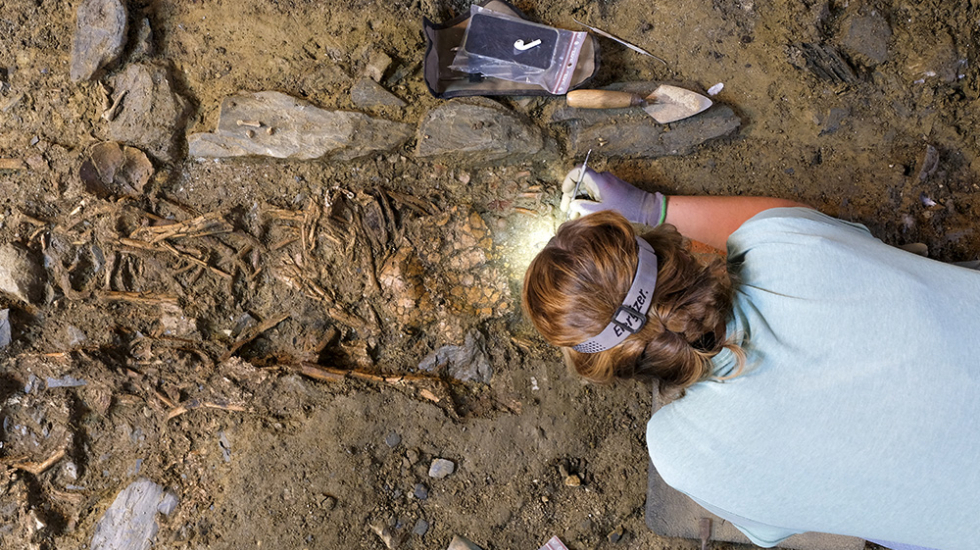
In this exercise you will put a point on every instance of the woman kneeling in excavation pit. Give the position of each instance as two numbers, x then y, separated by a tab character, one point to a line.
823	381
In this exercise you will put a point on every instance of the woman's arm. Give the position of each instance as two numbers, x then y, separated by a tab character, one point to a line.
711	220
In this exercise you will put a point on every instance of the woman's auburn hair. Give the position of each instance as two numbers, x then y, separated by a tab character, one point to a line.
574	286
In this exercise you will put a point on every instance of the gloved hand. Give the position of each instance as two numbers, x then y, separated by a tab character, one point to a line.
611	193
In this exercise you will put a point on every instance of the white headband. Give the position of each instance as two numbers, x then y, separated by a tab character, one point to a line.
630	317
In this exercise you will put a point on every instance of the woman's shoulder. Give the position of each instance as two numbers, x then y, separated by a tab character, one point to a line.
795	226
800	218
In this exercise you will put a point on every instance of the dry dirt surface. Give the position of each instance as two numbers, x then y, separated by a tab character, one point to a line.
267	339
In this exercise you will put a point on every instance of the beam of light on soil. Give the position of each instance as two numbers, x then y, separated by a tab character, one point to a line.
524	245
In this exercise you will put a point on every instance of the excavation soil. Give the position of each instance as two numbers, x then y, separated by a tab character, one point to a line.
220	367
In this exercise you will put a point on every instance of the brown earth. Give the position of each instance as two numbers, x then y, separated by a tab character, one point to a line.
208	363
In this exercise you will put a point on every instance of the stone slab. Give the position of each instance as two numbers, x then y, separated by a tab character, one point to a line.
152	113
100	34
477	131
632	133
277	125
130	523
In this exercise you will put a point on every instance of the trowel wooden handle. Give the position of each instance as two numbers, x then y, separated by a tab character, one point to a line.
602	99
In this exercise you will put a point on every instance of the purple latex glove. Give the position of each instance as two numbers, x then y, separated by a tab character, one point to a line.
611	193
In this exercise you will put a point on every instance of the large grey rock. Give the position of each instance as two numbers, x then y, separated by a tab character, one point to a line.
277	125
153	113
131	522
21	274
467	363
100	34
633	133
477	130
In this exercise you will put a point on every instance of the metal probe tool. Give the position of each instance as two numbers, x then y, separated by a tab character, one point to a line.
578	184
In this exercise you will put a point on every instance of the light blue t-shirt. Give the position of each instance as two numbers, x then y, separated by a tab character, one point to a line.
858	412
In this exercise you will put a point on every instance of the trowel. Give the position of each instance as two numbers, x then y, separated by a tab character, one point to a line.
666	104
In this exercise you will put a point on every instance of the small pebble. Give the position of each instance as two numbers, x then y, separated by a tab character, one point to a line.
270	130
616	535
421	527
328	502
392	439
421	492
441	468
250	133
573	481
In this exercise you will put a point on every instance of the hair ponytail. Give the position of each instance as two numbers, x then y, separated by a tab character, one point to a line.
575	284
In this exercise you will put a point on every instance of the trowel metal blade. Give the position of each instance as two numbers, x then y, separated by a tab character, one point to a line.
669	104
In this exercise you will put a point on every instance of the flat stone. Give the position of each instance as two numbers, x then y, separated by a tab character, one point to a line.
153	114
421	492
21	274
66	381
421	528
368	94
4	328
113	170
440	468
392	439
633	133
377	65
100	34
866	37
276	125
477	131
130	523
467	363
74	336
